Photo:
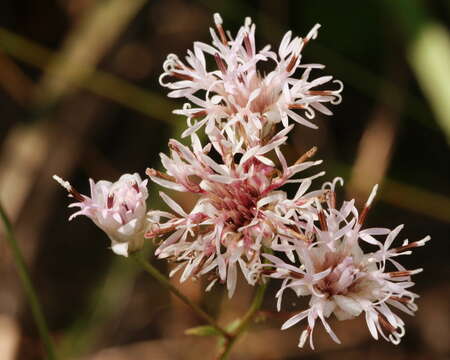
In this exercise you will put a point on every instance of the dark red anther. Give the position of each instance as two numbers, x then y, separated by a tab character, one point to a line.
76	194
386	324
363	215
199	114
291	63
320	92
406	247
220	63
136	187
110	201
248	45
403	300
394	274
222	35
296	106
181	76
323	221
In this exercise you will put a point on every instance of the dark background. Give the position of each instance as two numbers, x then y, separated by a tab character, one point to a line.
79	96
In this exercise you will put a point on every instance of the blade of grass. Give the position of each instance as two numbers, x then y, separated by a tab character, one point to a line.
428	52
98	82
85	46
30	292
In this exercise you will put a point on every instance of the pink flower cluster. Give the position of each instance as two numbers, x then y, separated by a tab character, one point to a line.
243	222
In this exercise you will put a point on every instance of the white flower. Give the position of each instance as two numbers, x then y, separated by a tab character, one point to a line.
341	279
117	208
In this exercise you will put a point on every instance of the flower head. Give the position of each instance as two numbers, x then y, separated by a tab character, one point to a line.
236	94
117	208
240	210
341	279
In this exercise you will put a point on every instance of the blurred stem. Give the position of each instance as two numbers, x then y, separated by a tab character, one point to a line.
428	53
28	287
98	82
85	46
158	276
245	322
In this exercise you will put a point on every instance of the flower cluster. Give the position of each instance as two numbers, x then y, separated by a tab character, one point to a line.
235	97
341	279
243	222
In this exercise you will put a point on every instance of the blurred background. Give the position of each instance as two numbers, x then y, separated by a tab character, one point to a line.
79	96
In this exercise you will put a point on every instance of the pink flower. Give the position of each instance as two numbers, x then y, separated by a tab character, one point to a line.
237	95
117	208
341	279
239	210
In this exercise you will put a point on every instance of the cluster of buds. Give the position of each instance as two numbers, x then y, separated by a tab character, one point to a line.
243	222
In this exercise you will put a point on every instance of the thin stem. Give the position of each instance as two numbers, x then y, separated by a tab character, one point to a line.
166	283
30	292
245	322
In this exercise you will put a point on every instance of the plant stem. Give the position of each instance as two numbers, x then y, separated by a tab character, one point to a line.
30	293
166	283
245	322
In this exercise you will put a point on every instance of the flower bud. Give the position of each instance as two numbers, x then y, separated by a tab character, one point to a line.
118	208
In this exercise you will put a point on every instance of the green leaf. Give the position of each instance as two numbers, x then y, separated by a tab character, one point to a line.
231	327
204	330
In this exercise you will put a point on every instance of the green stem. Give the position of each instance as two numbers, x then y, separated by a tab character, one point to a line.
166	283
30	293
245	322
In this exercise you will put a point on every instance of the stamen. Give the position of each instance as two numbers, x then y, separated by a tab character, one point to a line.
181	76
403	300
160	231
220	63
320	92
296	106
412	245
307	155
291	63
386	324
296	275
199	114
366	209
323	221
248	45
136	187
321	215
333	199
395	274
218	22
156	173
70	189
110	201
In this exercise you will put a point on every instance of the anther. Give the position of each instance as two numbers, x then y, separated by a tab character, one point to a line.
70	189
291	63
181	75
152	172
296	106
218	22
307	155
220	63
248	45
110	201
